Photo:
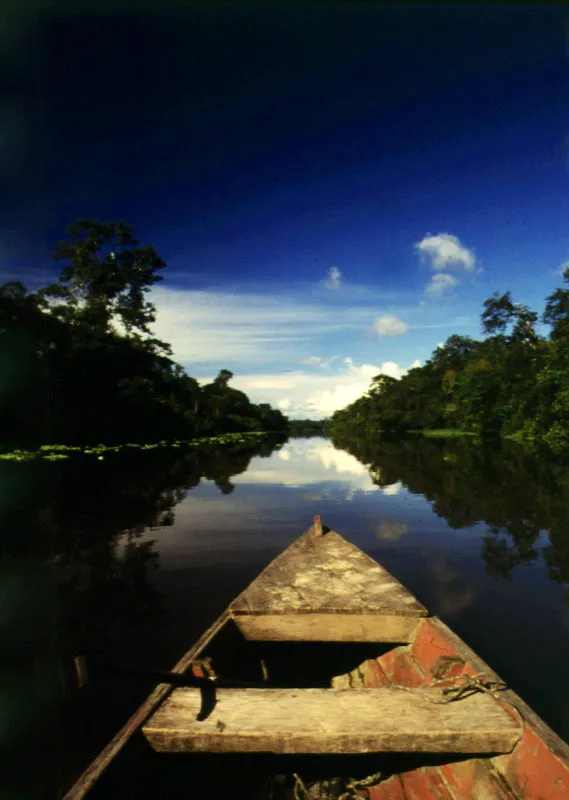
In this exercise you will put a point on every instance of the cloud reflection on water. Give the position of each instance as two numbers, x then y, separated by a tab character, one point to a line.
266	509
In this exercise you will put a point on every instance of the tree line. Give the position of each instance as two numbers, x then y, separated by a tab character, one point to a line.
513	383
80	364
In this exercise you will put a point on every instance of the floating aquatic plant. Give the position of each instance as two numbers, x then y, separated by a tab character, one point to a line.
57	452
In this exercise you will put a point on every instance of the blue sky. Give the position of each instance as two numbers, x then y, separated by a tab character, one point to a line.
336	187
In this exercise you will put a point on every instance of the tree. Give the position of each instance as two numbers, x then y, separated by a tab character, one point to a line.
105	278
222	379
500	311
556	312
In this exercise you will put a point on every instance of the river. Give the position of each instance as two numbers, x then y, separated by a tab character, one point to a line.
128	560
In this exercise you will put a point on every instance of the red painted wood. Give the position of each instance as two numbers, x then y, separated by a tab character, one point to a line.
460	776
533	771
197	671
373	675
391	789
387	660
425	783
475	779
429	645
407	671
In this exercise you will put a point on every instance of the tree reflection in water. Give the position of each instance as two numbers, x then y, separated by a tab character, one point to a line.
516	494
76	578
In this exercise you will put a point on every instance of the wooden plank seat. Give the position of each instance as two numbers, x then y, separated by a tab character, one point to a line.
312	721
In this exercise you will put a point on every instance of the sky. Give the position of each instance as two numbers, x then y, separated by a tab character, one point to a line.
336	187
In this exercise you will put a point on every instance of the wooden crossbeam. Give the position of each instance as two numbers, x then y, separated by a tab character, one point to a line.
287	721
372	627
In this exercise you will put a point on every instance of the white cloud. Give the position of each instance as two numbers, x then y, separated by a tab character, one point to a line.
392	489
388	325
446	251
562	267
415	364
317	361
315	395
440	284
244	332
211	329
224	329
272	382
334	279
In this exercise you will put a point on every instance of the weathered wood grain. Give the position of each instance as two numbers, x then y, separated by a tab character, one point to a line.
287	721
325	574
328	627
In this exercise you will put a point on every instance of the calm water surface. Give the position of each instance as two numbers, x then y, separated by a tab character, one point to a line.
129	560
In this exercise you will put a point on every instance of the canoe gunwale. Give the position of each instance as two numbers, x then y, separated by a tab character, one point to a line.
554	743
91	775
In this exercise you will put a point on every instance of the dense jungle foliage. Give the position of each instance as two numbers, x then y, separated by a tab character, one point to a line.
308	427
513	383
80	365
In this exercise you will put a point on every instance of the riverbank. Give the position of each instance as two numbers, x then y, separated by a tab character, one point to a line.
444	433
59	452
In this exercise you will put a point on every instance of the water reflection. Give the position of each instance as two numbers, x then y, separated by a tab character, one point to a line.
306	462
519	497
452	596
131	558
79	545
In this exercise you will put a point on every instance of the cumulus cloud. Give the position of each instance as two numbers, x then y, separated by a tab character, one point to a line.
389	325
440	285
334	279
315	395
445	251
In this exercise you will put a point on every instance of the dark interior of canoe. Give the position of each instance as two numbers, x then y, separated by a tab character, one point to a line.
141	772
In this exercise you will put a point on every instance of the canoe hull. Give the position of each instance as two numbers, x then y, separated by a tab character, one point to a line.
533	766
536	769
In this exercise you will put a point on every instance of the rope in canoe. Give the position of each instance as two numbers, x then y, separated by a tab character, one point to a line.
351	787
468	685
453	689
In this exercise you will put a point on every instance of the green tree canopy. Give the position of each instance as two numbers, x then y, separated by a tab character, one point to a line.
105	277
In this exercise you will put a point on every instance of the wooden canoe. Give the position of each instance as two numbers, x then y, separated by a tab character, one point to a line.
347	665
